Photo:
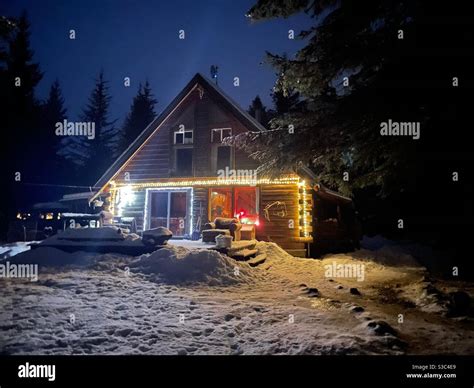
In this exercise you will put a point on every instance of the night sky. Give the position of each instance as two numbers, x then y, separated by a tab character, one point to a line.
139	39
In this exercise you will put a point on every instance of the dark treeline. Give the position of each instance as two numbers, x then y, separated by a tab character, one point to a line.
38	163
368	62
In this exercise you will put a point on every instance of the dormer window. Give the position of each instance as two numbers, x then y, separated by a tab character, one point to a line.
183	137
217	134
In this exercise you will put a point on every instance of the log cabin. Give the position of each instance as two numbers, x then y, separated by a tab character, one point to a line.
178	174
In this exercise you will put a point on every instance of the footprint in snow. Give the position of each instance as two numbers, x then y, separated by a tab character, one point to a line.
357	309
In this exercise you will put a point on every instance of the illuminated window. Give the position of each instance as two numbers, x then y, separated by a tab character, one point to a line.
245	206
221	203
240	202
49	216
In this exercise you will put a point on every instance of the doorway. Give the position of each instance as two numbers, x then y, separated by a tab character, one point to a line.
170	209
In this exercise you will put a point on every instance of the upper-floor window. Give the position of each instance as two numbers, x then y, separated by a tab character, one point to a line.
184	161
217	134
183	136
224	157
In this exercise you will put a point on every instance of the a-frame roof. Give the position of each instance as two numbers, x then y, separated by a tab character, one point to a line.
216	94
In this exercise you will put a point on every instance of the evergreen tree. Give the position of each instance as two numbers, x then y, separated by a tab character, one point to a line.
92	156
365	63
142	113
22	77
19	76
358	57
53	111
6	200
50	145
285	103
6	27
258	111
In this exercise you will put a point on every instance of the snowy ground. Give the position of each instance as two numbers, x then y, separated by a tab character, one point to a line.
181	301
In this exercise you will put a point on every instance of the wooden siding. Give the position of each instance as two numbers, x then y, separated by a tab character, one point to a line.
155	159
278	228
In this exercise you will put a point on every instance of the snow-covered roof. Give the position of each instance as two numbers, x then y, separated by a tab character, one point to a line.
49	206
331	195
78	215
74	196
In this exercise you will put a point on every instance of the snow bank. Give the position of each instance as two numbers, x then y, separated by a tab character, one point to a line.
93	238
103	233
273	251
377	250
180	265
53	257
388	252
395	256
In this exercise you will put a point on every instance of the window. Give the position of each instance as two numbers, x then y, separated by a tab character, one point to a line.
217	134
245	206
240	202
183	137
221	203
184	161
223	157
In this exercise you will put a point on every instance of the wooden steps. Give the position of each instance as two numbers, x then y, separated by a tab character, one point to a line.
257	260
241	245
243	254
241	250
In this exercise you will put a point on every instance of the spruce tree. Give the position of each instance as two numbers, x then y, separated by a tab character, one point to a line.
92	156
50	145
19	76
361	65
53	111
22	77
258	111
142	113
285	102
